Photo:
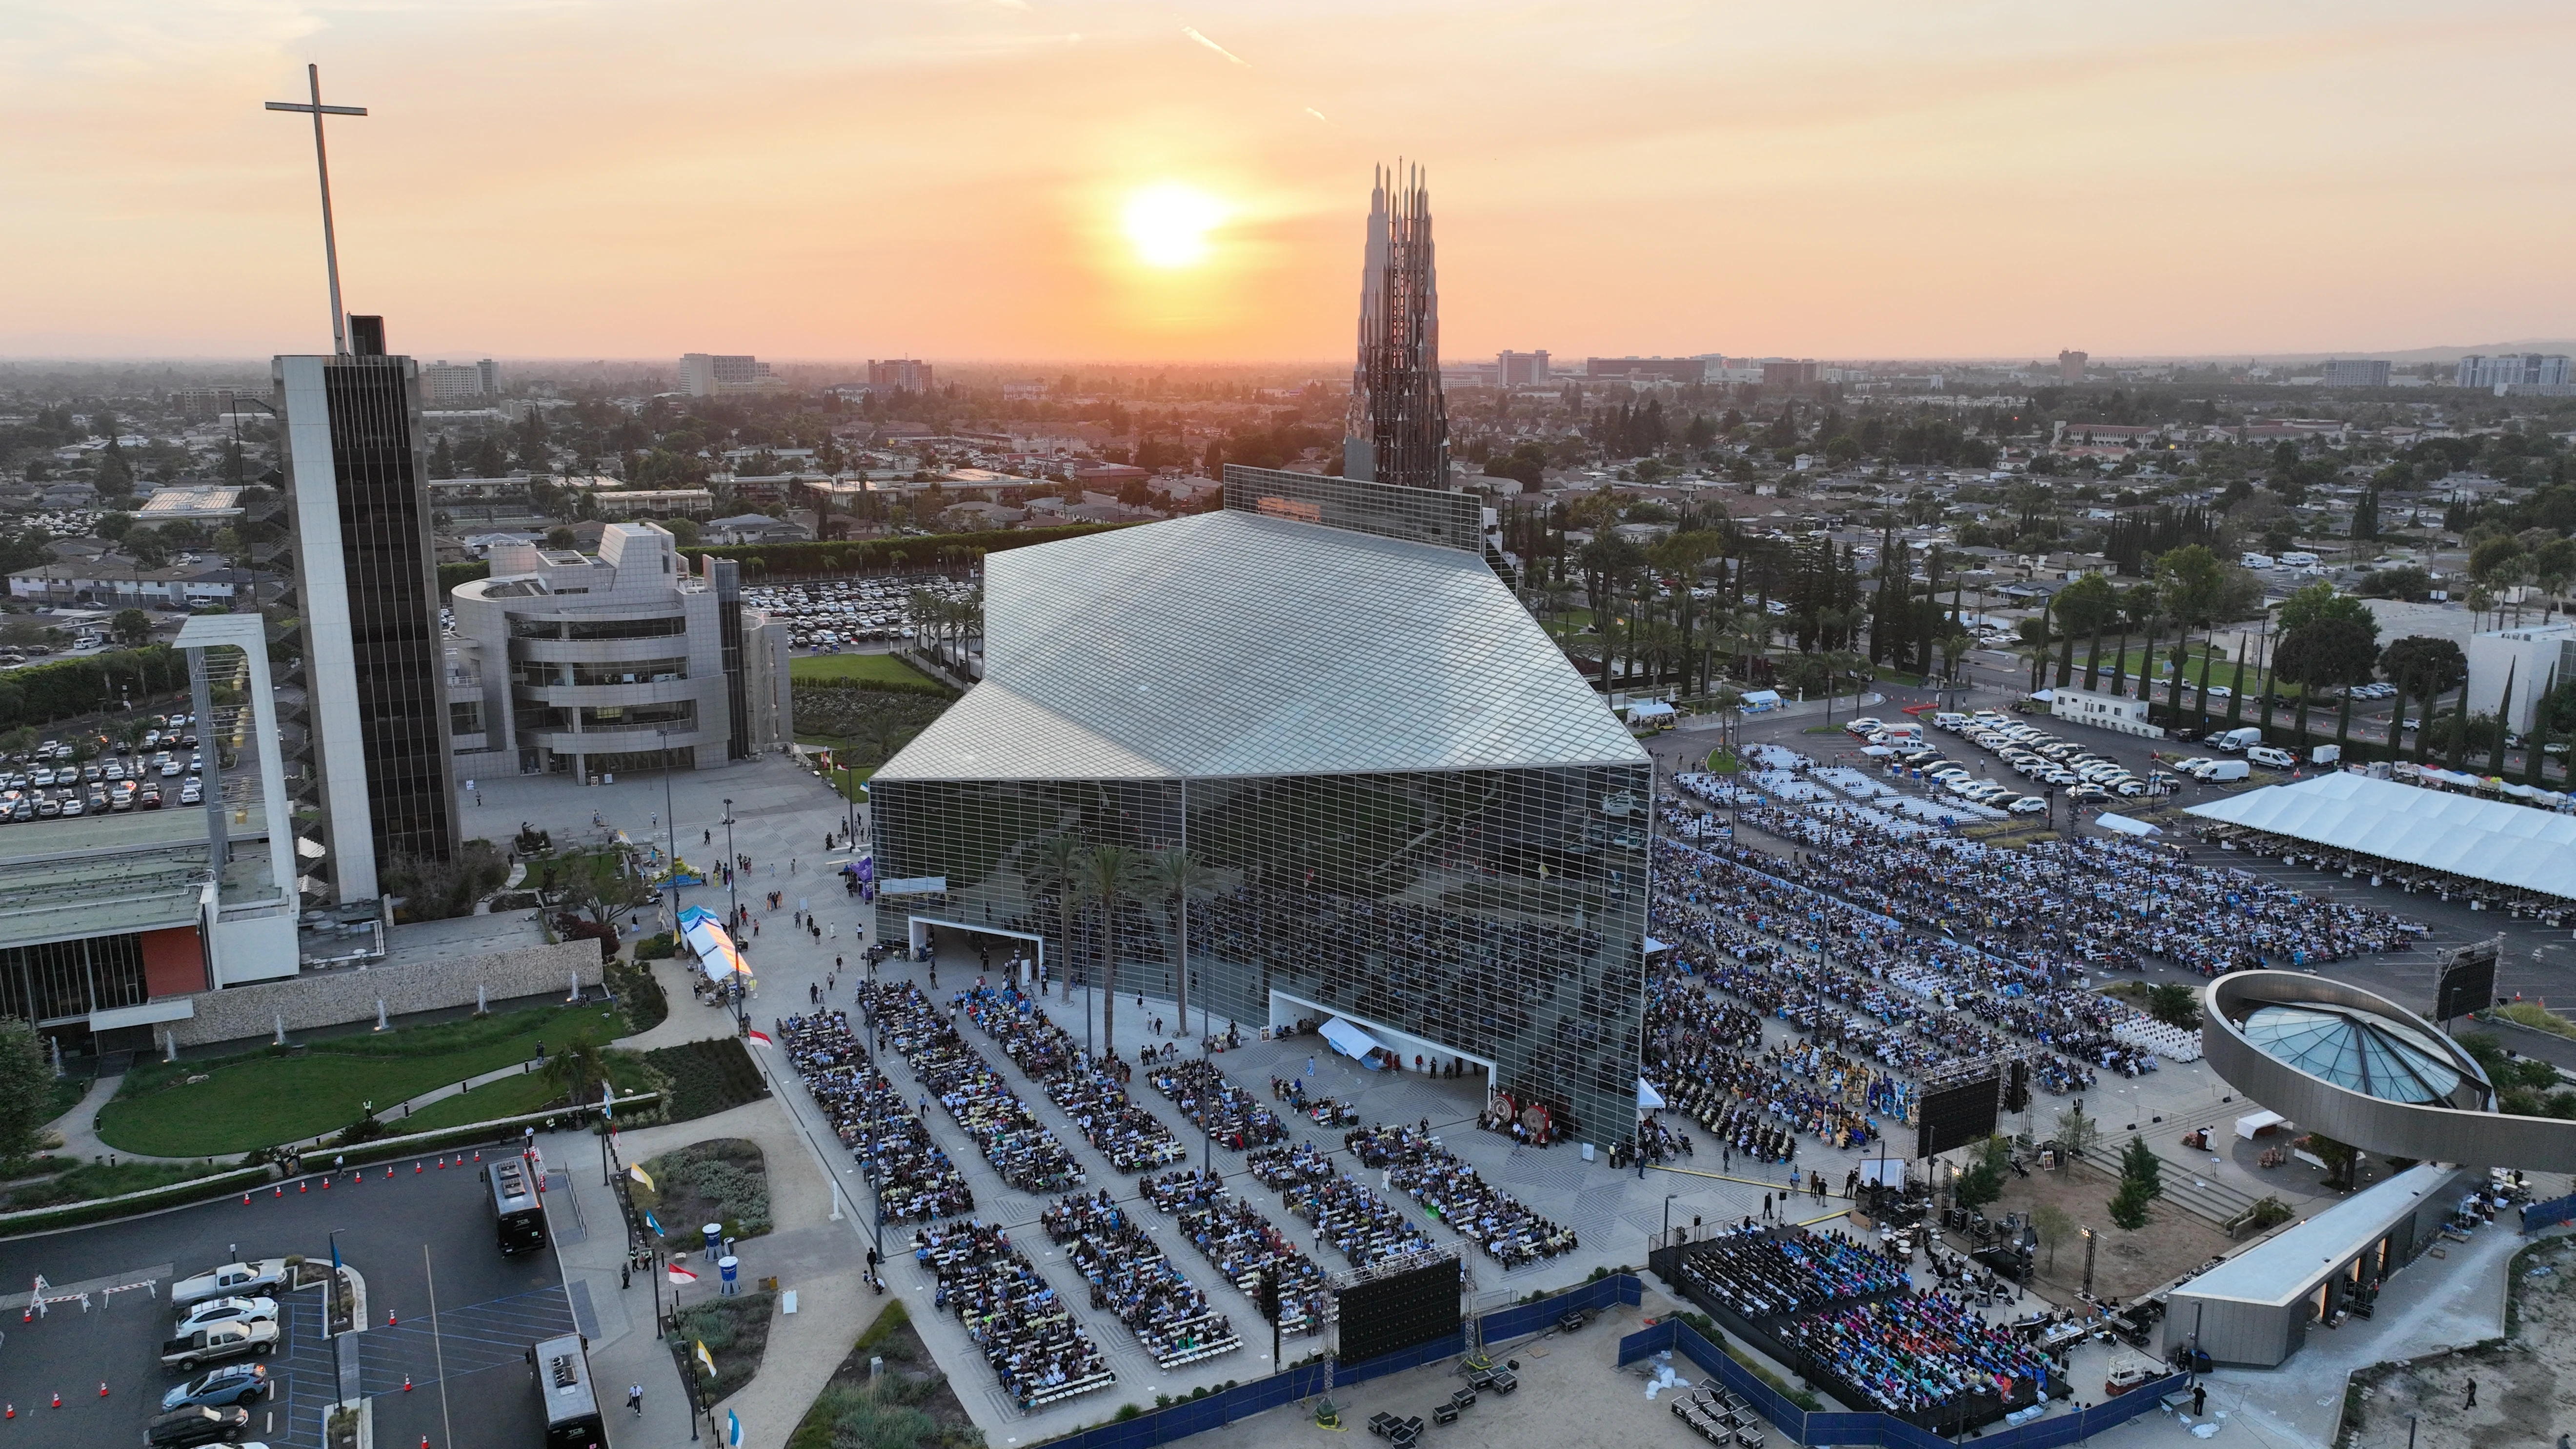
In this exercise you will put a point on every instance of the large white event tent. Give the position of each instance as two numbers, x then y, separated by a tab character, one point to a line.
2488	840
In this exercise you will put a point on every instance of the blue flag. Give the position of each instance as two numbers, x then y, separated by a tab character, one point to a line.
733	1429
648	1222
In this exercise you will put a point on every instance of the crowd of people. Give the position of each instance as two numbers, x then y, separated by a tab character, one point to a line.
1353	1219
1133	1139
1458	1195
1763	1275
915	1181
1218	1107
1133	1278
1243	1245
1925	1357
1285	1165
1015	1319
1021	1149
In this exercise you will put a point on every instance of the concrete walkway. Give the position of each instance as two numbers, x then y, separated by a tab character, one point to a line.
819	1260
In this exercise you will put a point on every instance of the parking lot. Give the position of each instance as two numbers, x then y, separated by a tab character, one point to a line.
829	614
399	1233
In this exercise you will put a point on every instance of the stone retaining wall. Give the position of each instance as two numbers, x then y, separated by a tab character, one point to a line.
346	994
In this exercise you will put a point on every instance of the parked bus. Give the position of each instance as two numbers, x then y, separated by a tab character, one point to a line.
572	1408
518	1218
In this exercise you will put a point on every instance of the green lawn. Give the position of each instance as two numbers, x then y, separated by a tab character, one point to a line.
97	1180
508	1097
865	668
271	1097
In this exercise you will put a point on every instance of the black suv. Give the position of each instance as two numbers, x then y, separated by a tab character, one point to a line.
197	1424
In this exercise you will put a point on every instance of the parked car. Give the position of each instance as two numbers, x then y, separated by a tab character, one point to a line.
217	1343
222	1388
230	1280
196	1424
2028	805
227	1310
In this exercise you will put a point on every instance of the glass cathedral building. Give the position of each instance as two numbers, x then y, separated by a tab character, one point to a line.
1426	821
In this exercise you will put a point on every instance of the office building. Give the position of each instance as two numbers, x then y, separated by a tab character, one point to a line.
2511	370
1432	826
1522	369
1647	369
2355	372
2070	365
906	374
2535	658
599	665
1790	372
366	593
202	402
705	374
1397	430
444	381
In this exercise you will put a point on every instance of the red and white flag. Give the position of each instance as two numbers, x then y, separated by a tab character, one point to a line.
680	1275
759	1037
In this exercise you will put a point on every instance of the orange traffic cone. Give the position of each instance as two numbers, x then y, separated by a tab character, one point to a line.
245	1199
415	1169
278	1191
478	1154
406	1383
389	1318
326	1184
102	1388
390	1172
442	1164
13	1412
304	1185
58	1401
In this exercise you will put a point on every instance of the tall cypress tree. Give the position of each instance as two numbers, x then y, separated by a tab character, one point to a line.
2504	712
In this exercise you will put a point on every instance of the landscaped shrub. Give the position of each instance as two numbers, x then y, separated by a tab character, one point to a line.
736	1333
724	1181
707	1077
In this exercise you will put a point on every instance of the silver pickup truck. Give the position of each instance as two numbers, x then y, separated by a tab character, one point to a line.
217	1342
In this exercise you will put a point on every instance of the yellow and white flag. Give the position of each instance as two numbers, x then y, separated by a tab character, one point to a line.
706	1358
635	1170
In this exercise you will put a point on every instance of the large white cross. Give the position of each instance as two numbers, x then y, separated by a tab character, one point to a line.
322	161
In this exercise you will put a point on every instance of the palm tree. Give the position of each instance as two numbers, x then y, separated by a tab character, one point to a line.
1179	878
577	1069
1111	876
1057	865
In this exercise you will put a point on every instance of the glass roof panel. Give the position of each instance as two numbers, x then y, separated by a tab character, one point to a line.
1232	644
2353	1051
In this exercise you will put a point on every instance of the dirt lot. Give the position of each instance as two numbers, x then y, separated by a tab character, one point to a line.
2173	1241
2523	1397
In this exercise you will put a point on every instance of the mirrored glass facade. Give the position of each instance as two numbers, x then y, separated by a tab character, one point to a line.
1421	815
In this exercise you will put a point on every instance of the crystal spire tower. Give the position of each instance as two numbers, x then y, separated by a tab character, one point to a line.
1398	429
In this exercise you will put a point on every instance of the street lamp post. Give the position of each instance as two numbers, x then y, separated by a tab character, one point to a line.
671	822
1667	1240
733	915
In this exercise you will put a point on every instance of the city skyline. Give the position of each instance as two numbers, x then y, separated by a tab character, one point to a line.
1103	182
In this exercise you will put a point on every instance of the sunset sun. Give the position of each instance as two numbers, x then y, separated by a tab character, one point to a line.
1169	224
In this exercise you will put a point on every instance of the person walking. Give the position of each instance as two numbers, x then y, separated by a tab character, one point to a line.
635	1399
2199	1399
2471	1401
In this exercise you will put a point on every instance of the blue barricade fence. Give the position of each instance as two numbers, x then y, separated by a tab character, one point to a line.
2550	1214
1883	1430
1193	1416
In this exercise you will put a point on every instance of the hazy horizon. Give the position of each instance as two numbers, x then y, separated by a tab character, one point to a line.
1101	182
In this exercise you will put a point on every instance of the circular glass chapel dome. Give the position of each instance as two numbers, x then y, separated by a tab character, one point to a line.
2359	1052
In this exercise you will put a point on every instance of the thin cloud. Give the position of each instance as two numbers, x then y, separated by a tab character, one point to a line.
1318	115
1192	33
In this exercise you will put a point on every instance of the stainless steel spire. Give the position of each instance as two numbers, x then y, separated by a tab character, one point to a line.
1398	428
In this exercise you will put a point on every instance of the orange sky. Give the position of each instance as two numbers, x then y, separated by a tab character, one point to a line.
946	178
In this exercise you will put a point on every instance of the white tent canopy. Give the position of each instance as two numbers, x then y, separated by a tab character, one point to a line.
2488	840
2126	826
1347	1039
1647	1097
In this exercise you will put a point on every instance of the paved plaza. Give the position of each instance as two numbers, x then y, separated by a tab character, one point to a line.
782	816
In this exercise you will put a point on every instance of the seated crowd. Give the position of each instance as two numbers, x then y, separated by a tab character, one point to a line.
1762	1275
915	1179
1023	1151
1458	1195
1927	1357
1135	1279
1090	1093
1243	1245
1015	1319
1217	1106
1286	1165
1352	1219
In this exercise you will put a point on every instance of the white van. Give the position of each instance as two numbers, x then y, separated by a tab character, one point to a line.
2272	757
2255	560
1949	720
2217	771
2236	740
1900	734
2298	560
